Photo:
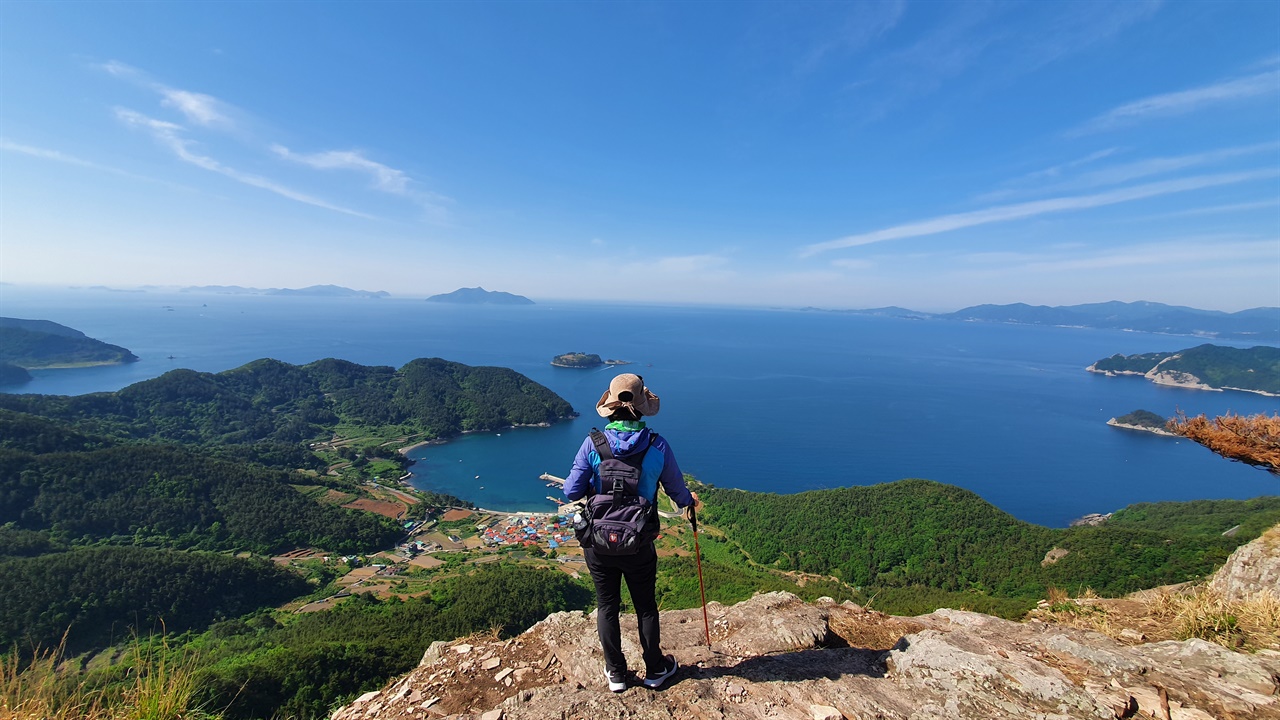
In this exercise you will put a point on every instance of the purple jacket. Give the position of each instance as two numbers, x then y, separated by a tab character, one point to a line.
584	477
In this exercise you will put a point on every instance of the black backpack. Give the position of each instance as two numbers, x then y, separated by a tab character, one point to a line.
617	520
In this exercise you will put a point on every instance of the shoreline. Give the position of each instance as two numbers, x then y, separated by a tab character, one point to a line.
1175	379
1141	428
75	366
445	440
603	363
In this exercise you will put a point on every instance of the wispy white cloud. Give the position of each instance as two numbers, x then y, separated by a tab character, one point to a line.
1184	101
207	111
980	36
865	22
1125	172
1031	181
198	108
1197	251
1057	170
1005	213
61	157
1230	208
54	155
1069	28
1162	165
169	135
385	178
690	264
121	70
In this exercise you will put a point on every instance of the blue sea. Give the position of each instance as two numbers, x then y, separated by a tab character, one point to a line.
764	400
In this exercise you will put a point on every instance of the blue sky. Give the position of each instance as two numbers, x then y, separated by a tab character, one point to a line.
925	154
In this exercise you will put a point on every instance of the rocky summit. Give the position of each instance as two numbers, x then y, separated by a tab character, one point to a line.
775	656
1252	568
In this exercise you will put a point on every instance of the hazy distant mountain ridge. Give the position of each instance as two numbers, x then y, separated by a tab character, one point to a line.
480	296
309	291
1261	323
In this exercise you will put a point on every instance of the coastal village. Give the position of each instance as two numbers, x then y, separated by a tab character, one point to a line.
441	539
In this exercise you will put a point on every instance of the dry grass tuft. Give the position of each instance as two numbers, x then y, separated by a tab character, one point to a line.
1252	439
152	687
1084	612
1172	613
1249	624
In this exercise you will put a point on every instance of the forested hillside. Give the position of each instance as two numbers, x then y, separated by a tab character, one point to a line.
298	666
103	594
922	533
175	497
272	400
41	343
1256	368
103	497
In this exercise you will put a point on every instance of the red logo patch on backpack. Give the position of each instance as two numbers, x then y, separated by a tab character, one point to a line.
613	537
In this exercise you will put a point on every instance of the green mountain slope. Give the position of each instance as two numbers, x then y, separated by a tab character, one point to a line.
41	343
272	400
175	497
922	533
200	461
96	595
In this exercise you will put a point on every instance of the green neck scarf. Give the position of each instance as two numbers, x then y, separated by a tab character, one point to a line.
626	425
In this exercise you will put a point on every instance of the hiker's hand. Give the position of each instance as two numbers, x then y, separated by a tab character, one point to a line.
697	505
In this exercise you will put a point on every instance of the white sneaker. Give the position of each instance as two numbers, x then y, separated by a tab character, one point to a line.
655	681
617	683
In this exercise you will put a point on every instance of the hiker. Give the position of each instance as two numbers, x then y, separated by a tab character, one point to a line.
611	558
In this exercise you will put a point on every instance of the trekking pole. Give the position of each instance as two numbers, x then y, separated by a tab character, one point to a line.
702	588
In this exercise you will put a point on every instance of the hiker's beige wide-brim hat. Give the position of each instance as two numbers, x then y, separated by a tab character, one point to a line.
628	390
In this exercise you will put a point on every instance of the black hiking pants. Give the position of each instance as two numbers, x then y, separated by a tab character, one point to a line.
641	573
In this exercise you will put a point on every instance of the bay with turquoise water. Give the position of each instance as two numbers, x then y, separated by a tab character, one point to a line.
764	400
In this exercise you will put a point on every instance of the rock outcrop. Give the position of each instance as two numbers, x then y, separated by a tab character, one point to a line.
1253	568
777	657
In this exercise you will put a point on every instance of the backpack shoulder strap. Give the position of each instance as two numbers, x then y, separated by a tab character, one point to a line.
602	444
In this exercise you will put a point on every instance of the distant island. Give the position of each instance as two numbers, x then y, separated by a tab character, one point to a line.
28	344
1143	420
891	311
1204	367
583	360
480	296
310	291
1260	324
